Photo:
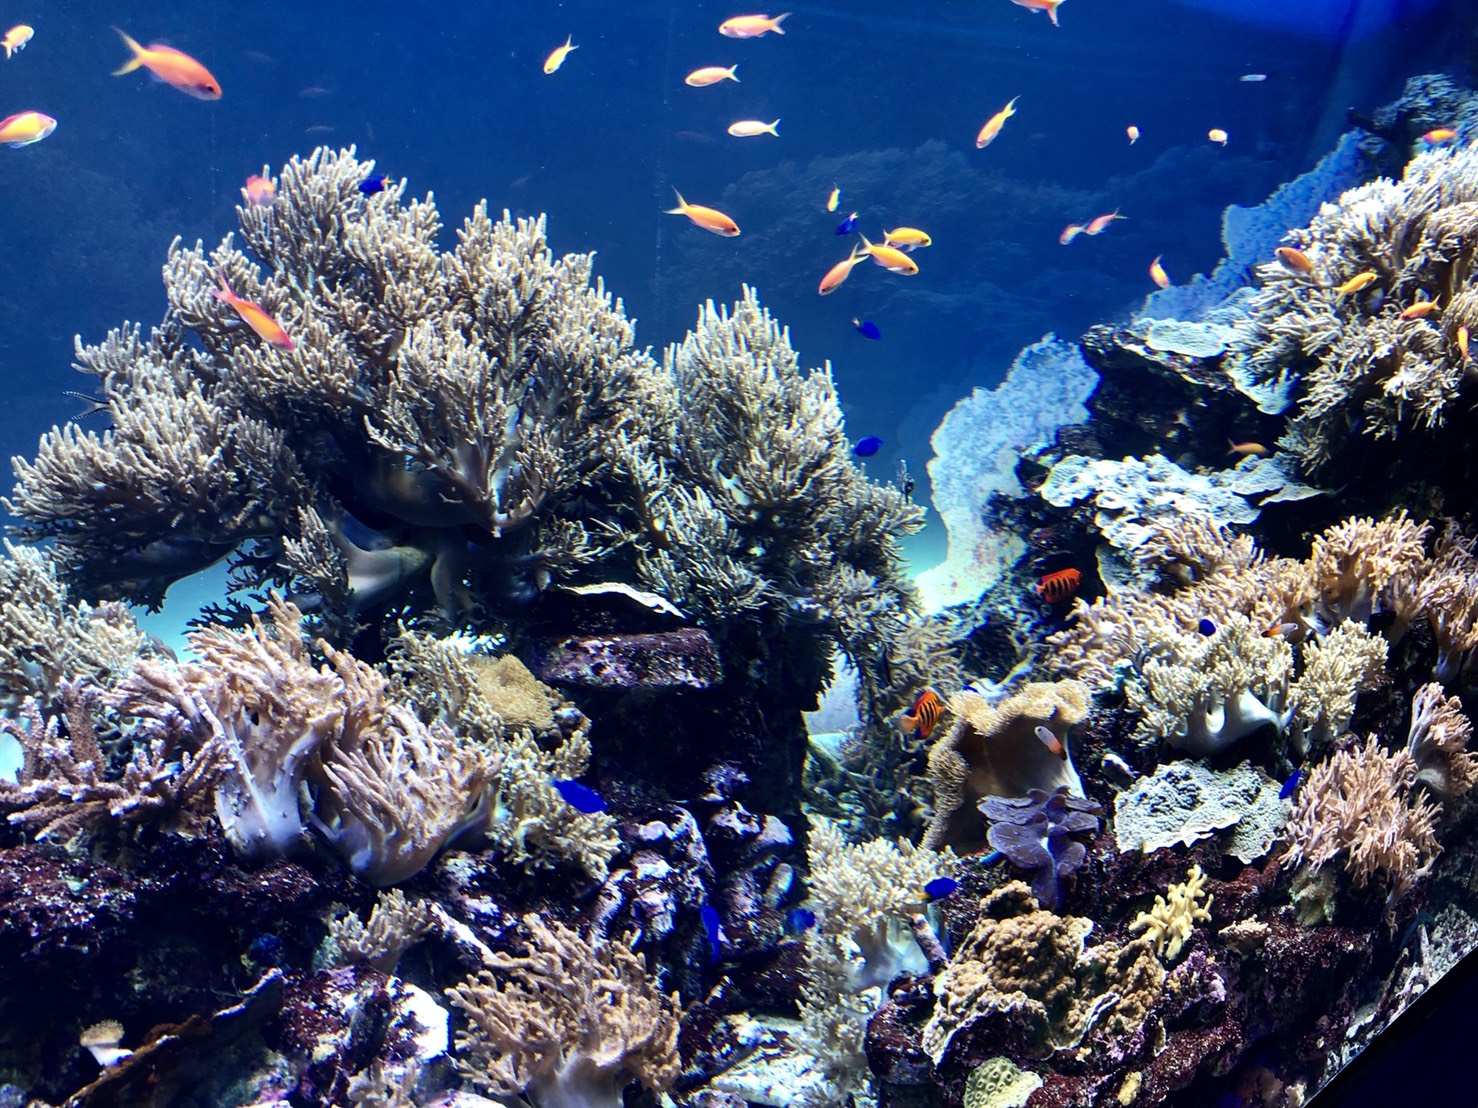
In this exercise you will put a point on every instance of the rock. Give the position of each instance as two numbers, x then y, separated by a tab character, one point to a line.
686	658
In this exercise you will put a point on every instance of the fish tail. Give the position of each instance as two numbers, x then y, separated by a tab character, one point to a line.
224	292
133	62
779	19
1052	12
732	75
682	205
774	128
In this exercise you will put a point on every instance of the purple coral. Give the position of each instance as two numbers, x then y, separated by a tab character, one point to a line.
1034	831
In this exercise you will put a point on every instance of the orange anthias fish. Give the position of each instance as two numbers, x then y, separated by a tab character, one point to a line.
840	272
710	219
923	717
1462	341
1133	132
1356	283
558	55
16	39
907	238
1247	449
711	75
1440	135
1218	136
890	258
253	315
24	128
1295	260
994	124
834	198
172	67
1070	232
260	191
1158	274
1048	6
1101	224
1057	587
752	26
1420	310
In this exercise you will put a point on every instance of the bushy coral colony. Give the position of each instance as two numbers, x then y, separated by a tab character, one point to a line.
490	780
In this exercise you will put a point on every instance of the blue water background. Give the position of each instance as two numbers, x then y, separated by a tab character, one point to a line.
883	98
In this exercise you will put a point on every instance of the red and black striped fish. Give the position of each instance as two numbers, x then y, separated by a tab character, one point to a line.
923	717
1054	588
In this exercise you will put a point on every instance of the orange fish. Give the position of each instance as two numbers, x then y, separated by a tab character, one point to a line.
1440	135
1100	225
710	219
840	272
994	124
711	75
16	39
1051	741
1248	449
260	191
1295	260
1462	341
1070	232
1133	132
558	55
1048	6
752	26
923	717
1158	274
253	315
172	67
834	198
1356	283
1280	630
24	128
907	238
890	258
1420	310
1218	136
1057	587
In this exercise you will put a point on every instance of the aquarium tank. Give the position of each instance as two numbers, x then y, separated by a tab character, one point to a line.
873	555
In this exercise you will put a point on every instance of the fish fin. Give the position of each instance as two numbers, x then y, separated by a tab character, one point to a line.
224	292
682	205
774	128
133	62
1052	13
779	19
7	50
732	76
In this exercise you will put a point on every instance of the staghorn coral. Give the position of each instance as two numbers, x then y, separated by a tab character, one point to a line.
570	1023
1437	742
1029	970
67	783
1173	917
993	750
1358	805
1358	359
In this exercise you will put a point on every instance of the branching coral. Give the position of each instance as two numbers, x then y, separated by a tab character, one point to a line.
1438	742
1360	360
569	1024
1174	916
395	925
1359	805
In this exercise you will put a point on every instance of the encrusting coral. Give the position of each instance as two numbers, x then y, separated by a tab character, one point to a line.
569	1024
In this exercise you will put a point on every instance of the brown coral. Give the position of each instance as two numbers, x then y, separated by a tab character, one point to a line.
993	750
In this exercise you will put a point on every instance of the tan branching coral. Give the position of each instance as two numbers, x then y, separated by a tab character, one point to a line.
1030	967
572	1021
1353	563
1359	359
1438	742
1359	805
395	924
65	783
993	750
1337	667
1173	917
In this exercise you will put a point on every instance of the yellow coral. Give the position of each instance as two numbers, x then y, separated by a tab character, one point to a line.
1175	915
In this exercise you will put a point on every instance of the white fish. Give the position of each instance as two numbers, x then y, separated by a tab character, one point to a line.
747	127
1253	77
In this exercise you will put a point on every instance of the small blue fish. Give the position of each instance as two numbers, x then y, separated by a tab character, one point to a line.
867	329
1206	627
992	858
940	888
372	184
848	225
580	797
867	446
715	930
800	919
1291	785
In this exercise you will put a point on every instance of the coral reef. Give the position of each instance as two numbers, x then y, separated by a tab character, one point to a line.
1034	831
1172	918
